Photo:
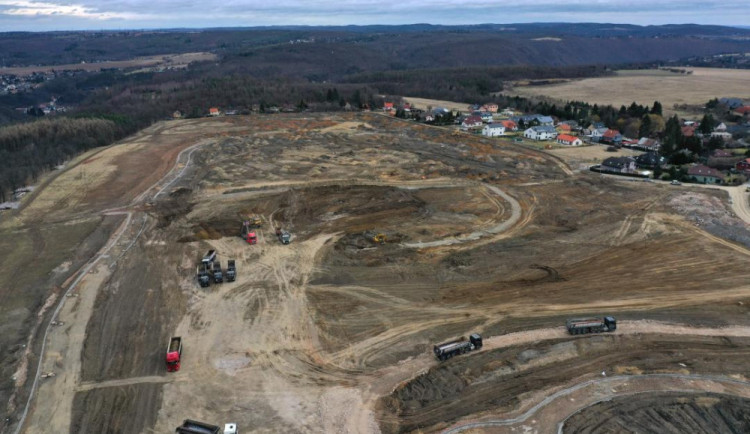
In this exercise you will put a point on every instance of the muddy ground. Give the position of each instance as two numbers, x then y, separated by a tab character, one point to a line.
333	332
658	413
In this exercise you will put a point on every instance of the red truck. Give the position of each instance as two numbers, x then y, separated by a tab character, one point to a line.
174	352
247	232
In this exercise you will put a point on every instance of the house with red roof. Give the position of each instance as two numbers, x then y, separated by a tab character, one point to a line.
213	111
563	128
566	139
510	125
388	106
742	111
612	137
706	175
490	107
743	166
472	122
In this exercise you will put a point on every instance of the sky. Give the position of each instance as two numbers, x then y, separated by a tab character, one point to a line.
43	15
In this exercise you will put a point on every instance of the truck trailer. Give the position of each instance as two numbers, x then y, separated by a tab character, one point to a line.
203	278
217	274
209	259
174	354
579	326
231	271
449	349
283	236
194	427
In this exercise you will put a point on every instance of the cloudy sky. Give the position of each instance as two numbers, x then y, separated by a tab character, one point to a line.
33	15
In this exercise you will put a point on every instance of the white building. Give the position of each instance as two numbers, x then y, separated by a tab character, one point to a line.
493	130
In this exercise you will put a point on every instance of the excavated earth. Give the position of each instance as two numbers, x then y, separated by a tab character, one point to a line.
333	332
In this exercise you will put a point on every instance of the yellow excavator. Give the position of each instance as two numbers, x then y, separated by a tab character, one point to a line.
377	238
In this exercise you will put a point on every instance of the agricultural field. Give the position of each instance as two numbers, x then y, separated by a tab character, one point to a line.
335	332
646	86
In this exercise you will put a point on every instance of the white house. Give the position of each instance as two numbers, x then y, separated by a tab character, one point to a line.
540	133
493	130
566	139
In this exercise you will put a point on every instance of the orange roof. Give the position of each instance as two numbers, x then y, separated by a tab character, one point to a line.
566	138
213	110
564	126
388	105
509	124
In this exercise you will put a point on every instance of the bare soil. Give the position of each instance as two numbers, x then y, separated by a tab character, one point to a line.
333	332
658	413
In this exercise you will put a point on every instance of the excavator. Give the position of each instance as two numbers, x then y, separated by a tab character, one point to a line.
376	237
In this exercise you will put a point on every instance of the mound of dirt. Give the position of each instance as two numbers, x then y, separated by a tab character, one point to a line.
660	413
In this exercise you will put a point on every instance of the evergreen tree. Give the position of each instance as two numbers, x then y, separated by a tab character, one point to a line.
645	128
656	109
707	124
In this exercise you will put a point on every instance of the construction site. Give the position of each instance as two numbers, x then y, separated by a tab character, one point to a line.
361	248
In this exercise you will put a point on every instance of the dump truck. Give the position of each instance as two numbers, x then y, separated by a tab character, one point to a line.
231	271
375	237
209	259
203	278
254	221
247	232
449	349
217	274
174	353
194	427
283	236
579	326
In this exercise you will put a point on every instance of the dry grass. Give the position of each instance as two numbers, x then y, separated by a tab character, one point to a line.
423	103
173	60
644	87
588	155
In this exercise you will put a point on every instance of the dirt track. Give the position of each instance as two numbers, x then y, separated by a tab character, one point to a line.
333	333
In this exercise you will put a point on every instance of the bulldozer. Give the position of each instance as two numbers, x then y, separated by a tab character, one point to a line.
253	221
376	237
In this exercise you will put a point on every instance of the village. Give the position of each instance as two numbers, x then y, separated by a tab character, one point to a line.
719	152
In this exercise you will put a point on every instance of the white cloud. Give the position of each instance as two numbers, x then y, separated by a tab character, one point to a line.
40	9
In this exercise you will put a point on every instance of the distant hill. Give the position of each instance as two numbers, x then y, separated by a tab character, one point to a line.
324	53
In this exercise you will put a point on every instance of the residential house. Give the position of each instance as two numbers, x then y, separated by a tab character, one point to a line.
705	174
649	160
213	111
508	112
490	107
572	124
618	165
566	139
486	117
493	130
743	166
563	128
648	144
612	137
540	133
722	153
545	120
732	103
388	106
509	125
722	134
474	107
597	133
722	127
177	114
471	122
743	111
596	126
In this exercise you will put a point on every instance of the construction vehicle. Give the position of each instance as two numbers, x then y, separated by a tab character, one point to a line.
203	278
254	221
194	427
209	259
377	238
449	349
581	326
218	276
231	271
174	353
283	236
247	232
